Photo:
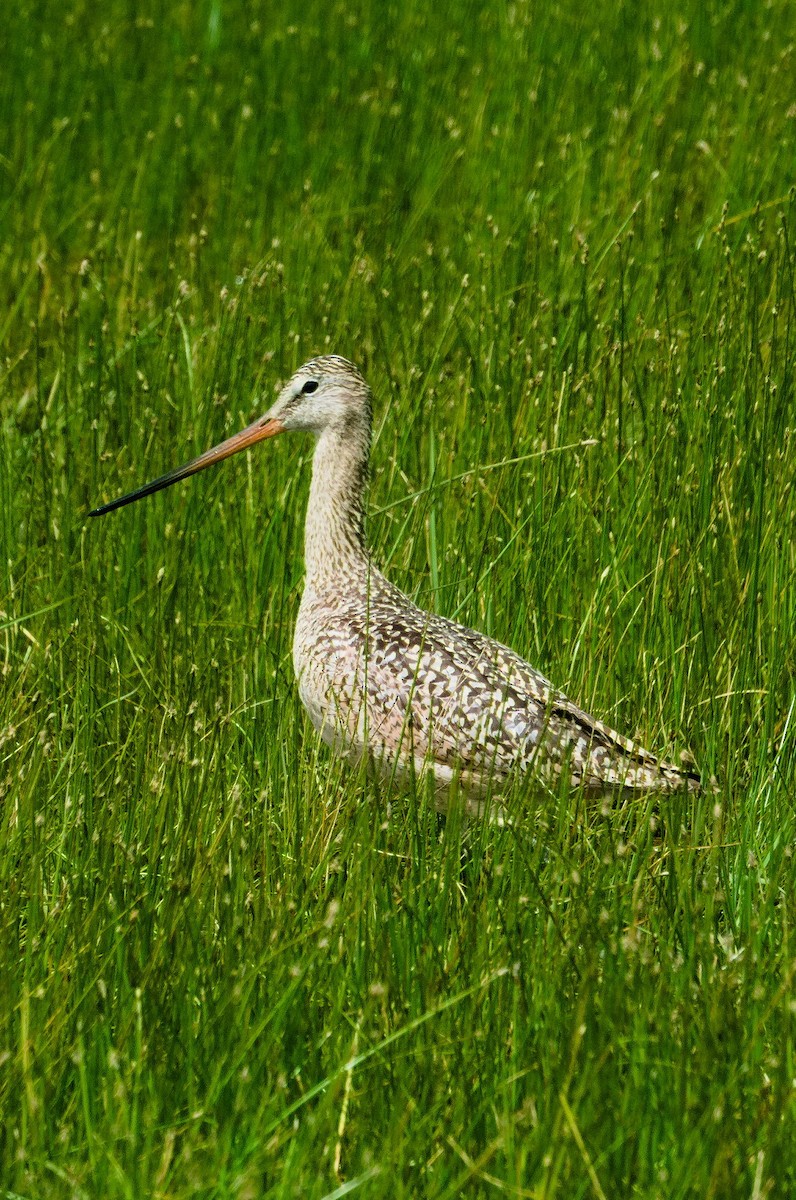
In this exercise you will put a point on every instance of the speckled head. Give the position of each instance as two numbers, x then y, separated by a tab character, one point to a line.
325	393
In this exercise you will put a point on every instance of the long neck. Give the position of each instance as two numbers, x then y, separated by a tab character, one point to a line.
334	539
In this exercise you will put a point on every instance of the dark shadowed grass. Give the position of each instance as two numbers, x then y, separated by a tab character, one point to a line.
559	241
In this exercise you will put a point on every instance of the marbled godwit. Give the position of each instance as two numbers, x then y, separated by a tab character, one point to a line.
383	679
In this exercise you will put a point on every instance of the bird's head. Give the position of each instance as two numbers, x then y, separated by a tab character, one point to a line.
327	393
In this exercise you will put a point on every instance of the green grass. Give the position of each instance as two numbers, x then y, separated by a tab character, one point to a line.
561	242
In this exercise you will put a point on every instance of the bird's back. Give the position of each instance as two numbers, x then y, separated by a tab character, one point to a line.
411	690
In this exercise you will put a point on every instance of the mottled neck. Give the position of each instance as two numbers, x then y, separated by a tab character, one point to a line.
334	540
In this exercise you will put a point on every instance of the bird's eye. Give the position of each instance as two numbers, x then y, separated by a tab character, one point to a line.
310	386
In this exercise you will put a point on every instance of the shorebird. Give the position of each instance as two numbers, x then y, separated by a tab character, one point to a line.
385	681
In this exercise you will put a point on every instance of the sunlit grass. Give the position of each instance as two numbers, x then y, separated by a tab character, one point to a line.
559	242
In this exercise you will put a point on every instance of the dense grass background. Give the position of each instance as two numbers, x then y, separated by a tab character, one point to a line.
559	238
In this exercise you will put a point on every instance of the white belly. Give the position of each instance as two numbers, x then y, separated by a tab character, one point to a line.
340	715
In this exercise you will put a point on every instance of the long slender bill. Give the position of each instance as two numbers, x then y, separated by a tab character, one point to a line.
263	427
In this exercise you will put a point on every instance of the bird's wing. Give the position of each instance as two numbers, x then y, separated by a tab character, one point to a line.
466	700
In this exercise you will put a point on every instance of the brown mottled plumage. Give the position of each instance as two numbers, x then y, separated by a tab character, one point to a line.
381	678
